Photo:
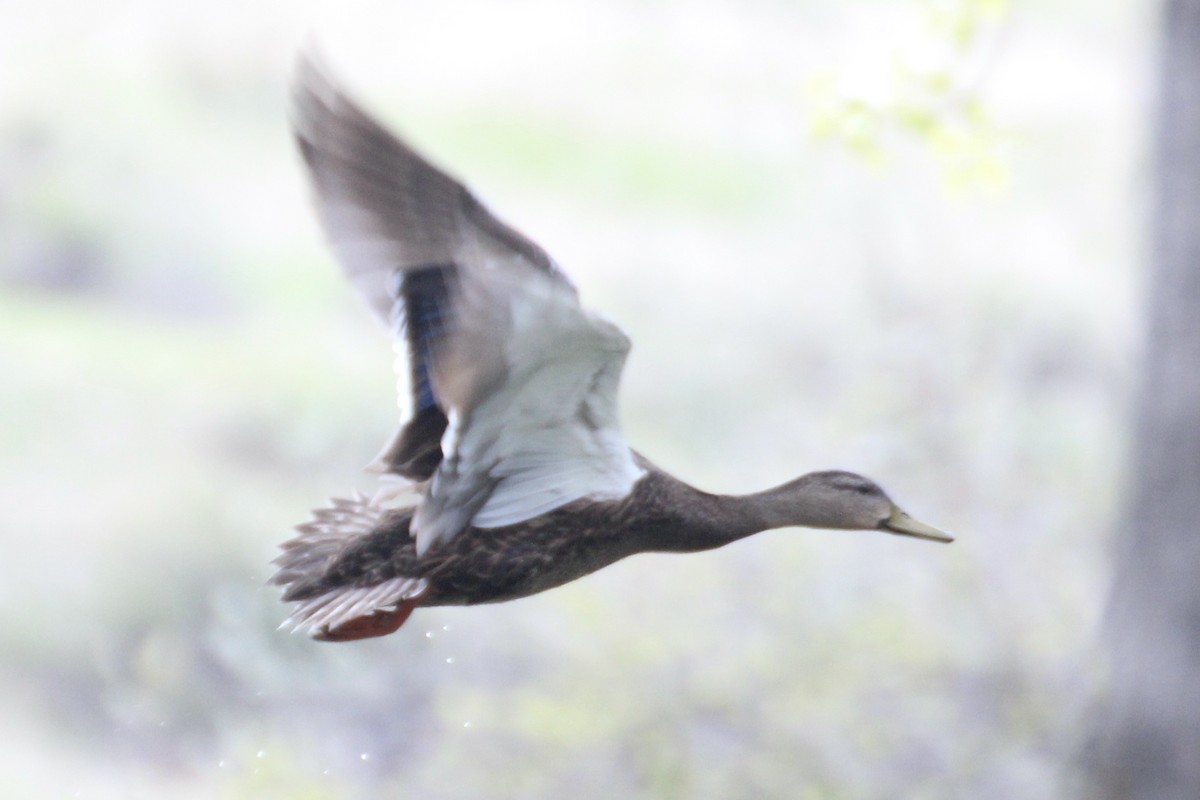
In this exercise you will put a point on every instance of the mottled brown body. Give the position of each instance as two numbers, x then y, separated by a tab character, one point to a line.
489	565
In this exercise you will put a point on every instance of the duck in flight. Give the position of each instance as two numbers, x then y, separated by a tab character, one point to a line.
511	476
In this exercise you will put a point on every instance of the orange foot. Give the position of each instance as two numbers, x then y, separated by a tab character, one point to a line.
378	623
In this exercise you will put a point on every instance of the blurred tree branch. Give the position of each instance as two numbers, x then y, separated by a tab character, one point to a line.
1148	743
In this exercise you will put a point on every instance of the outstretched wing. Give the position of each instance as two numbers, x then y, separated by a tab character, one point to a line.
514	384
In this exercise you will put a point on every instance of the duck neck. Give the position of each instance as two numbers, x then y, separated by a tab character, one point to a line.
789	505
716	520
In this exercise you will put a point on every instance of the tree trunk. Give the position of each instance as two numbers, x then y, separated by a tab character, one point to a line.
1148	742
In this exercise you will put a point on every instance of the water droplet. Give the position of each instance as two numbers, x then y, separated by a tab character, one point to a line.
221	763
261	754
445	627
365	756
450	660
324	772
428	634
467	724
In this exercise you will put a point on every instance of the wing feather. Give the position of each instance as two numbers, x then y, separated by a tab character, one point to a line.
513	383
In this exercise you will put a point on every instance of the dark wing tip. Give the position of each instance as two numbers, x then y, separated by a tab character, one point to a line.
312	93
329	125
322	112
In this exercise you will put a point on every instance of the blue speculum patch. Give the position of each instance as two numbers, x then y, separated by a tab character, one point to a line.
426	293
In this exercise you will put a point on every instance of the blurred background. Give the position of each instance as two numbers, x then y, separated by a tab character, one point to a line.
896	237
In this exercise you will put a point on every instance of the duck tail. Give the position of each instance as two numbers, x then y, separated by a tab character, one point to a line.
340	607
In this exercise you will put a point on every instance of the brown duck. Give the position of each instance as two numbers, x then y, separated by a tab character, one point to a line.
511	476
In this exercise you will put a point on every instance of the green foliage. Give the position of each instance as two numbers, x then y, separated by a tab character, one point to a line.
928	87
